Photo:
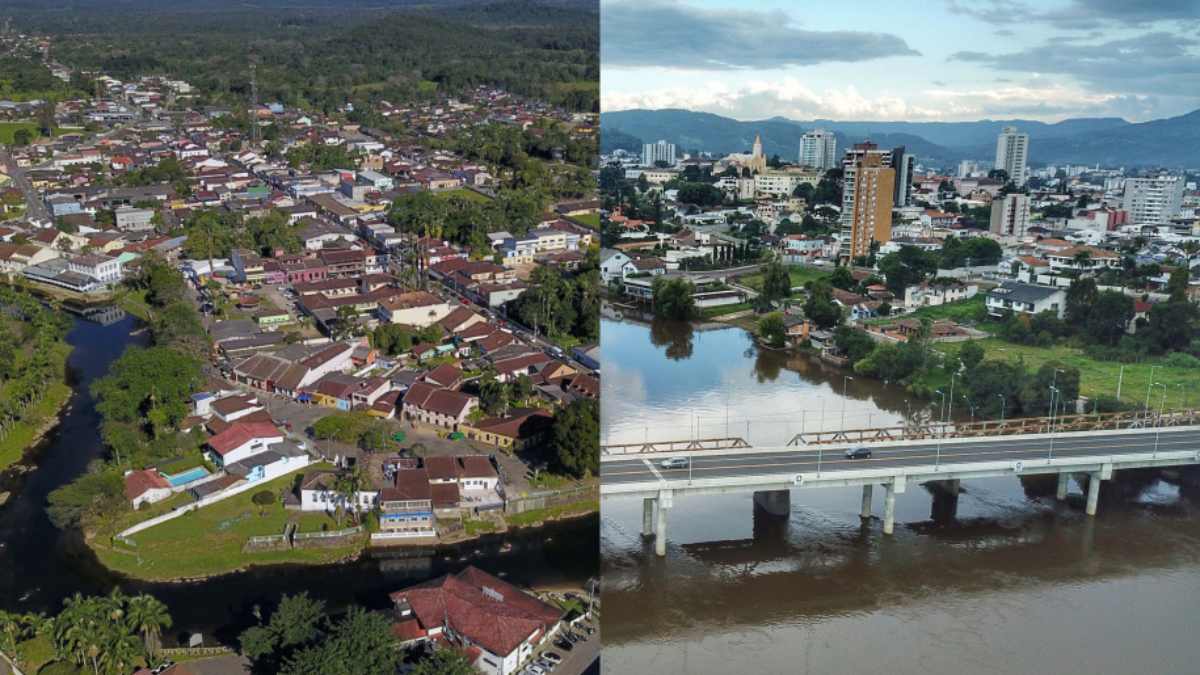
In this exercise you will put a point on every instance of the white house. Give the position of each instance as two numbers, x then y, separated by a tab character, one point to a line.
612	264
242	440
1016	297
318	492
416	308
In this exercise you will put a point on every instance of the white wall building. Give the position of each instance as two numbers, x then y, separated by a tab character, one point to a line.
1010	215
1012	154
818	149
662	151
1153	200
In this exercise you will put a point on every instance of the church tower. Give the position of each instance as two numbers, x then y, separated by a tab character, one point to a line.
758	161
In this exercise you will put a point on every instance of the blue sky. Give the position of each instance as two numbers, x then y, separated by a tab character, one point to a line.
903	60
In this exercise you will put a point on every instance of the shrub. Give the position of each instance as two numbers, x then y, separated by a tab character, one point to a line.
264	498
1181	360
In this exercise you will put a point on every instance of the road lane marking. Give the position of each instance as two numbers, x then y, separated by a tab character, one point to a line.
652	469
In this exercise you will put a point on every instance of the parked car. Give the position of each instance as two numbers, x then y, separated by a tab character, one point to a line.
674	463
858	452
564	644
552	657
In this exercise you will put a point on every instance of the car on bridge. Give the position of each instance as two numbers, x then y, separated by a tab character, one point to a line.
858	452
674	463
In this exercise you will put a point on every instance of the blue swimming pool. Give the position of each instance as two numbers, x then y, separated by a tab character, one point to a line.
187	476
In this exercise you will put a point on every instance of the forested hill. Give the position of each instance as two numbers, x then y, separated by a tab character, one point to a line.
327	53
1108	141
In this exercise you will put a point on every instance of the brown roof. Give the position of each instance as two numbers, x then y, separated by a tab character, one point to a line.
489	611
410	484
139	482
240	433
444	495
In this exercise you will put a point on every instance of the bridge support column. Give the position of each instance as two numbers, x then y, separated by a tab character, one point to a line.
648	517
660	530
774	502
889	508
1093	493
1063	481
865	513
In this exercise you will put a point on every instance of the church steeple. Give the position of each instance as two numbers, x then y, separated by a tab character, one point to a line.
758	151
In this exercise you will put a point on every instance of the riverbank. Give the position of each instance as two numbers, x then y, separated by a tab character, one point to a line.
24	435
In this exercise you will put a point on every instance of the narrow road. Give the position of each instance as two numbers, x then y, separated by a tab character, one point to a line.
35	209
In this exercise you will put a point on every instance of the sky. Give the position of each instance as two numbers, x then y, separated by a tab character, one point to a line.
903	60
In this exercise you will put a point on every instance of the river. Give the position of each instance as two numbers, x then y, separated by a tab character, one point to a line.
41	565
1015	582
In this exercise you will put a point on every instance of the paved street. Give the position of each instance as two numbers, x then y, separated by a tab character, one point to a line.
35	209
802	460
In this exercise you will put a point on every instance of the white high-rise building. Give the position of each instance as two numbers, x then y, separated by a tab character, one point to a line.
1010	214
662	151
1153	200
818	149
1012	154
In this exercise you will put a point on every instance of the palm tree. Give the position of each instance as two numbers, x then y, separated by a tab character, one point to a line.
347	485
148	616
15	629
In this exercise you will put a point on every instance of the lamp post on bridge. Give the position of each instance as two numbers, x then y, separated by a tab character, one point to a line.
1003	402
1146	407
938	457
845	381
1158	423
971	406
1053	394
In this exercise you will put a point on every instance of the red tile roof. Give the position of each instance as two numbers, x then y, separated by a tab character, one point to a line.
139	482
239	434
489	611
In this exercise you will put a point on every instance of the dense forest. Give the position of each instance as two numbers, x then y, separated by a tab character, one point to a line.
324	56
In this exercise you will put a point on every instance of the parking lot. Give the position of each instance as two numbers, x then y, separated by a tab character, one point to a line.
574	661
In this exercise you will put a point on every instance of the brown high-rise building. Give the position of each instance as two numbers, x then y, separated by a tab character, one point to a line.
869	185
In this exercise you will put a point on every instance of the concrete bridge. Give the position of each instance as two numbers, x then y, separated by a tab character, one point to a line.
772	472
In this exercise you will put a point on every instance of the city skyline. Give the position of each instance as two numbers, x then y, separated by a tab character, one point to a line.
947	61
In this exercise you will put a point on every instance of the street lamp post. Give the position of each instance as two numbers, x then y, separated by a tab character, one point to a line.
1053	394
938	457
1146	407
1003	402
971	406
1158	423
845	381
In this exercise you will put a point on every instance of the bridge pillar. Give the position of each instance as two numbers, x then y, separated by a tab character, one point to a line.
945	500
1063	480
774	502
660	530
1093	493
889	508
865	514
648	517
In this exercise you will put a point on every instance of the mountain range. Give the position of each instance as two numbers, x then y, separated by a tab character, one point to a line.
1108	141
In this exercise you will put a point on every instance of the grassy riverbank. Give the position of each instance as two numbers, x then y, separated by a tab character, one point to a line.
209	541
40	417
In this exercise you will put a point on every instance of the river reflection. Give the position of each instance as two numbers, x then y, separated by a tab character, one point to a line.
41	565
1003	579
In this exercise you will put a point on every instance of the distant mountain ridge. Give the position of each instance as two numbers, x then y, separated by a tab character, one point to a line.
1109	141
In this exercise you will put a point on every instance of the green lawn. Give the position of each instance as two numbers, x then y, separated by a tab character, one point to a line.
592	220
964	312
713	312
464	193
800	275
209	541
1097	378
477	527
8	129
540	515
36	653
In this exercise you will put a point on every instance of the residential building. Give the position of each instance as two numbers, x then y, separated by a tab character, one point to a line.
1153	200
1010	215
494	621
1012	154
1020	298
866	204
818	149
662	151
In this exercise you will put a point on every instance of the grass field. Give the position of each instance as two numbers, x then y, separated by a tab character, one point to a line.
965	311
541	515
8	129
1099	378
209	541
800	275
591	220
713	312
464	193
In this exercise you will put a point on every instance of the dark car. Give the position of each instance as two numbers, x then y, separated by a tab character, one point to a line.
860	452
564	645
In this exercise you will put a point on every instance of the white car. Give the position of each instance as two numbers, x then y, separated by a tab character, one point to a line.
674	463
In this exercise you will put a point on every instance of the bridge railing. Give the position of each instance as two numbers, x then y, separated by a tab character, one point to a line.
674	446
1008	427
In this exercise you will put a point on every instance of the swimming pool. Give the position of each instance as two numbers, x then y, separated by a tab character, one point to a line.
187	476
